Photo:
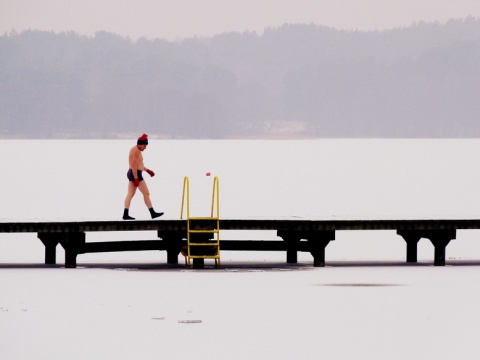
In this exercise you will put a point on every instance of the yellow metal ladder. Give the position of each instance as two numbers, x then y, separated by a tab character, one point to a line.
203	233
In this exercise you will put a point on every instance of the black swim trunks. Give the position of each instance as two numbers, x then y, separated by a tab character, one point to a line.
130	175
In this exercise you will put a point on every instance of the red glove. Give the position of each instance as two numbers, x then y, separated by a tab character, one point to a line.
150	172
136	182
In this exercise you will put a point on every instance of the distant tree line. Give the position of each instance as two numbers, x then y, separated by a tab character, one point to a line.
295	80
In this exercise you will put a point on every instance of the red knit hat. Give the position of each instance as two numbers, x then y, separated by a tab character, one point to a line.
143	140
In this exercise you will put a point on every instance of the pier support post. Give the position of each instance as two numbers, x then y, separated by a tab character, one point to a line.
173	243
411	238
439	238
291	239
198	263
317	242
73	243
50	243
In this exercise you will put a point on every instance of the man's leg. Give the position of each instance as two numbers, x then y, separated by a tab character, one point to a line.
146	194
146	197
128	199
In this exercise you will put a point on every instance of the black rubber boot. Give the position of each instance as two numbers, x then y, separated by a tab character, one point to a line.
155	214
126	216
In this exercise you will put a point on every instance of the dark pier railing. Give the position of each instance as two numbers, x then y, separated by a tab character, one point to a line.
296	235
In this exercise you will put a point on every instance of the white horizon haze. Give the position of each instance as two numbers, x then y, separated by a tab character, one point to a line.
176	20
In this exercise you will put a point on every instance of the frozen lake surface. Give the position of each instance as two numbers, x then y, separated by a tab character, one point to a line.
346	311
367	303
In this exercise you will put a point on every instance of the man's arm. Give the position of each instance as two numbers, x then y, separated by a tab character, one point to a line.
134	160
150	172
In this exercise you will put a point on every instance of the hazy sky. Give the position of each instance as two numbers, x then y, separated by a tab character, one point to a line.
176	19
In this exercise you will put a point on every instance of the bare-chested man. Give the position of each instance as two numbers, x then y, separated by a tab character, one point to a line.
135	178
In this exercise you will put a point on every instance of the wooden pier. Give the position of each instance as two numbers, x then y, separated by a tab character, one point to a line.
295	235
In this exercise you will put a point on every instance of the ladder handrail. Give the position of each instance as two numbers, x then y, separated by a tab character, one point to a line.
186	187
215	191
216	187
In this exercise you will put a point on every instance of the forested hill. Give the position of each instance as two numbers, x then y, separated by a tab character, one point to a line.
295	80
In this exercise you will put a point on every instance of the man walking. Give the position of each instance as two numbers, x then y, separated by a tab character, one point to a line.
135	178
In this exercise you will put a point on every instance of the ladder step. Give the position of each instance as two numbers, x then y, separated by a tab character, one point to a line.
205	257
205	244
203	231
